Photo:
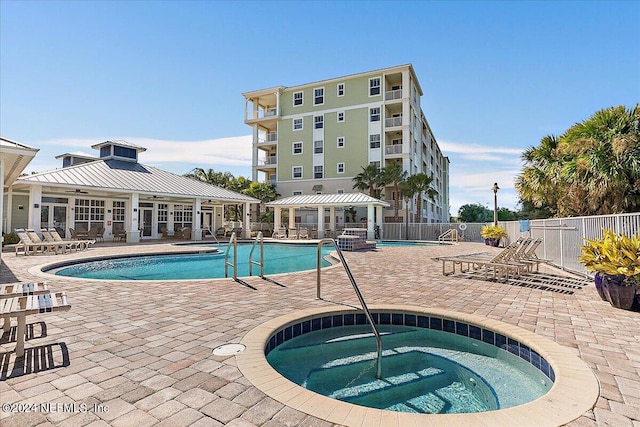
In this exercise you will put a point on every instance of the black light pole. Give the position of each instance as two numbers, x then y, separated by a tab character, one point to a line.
495	189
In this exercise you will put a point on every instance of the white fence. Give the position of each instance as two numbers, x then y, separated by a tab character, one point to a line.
564	237
469	232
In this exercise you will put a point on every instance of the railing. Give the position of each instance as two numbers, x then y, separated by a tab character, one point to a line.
393	94
261	262
211	233
265	112
270	161
393	121
367	313
232	241
451	235
393	149
272	137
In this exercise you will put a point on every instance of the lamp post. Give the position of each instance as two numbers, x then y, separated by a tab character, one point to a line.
406	218
495	189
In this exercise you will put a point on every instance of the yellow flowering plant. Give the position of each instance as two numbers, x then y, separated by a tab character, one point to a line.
493	232
614	255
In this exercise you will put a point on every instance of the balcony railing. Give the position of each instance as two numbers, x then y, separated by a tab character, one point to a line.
271	137
264	113
393	149
393	121
269	161
393	94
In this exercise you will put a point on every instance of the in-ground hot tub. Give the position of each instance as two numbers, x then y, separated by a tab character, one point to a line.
419	373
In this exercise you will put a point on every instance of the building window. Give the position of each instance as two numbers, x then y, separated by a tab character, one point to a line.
376	165
340	116
374	141
297	148
297	124
125	152
163	216
341	142
340	168
318	122
318	147
318	96
297	99
296	193
89	214
340	191
374	114
297	172
374	86
317	172
340	89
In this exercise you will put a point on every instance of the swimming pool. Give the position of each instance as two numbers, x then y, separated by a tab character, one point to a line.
278	258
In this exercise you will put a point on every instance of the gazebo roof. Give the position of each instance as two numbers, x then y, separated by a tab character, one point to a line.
337	200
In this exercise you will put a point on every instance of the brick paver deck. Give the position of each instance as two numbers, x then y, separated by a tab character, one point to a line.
140	353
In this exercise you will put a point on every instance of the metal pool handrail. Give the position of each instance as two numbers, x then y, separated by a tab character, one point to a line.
232	240
261	262
367	313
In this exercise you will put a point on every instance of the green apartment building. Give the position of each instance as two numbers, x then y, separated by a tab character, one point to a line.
314	138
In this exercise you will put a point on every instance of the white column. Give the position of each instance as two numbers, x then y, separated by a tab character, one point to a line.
370	223
292	218
320	222
247	220
277	218
35	199
379	219
254	158
132	224
278	103
8	221
332	219
196	230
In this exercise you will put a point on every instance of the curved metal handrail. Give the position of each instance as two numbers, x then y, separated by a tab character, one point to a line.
367	313
261	262
232	240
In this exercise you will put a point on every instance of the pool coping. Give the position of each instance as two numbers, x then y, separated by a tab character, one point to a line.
574	392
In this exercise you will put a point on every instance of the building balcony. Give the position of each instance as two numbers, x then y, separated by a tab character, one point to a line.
390	150
393	94
262	114
270	139
393	122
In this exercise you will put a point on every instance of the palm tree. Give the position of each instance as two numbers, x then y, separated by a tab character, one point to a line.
220	179
415	185
394	174
263	191
368	180
592	169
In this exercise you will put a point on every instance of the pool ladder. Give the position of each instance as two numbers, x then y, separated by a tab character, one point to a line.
367	313
233	241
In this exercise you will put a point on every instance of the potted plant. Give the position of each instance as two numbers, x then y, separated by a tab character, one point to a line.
616	259
492	234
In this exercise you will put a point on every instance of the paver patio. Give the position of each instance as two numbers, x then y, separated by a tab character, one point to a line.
144	349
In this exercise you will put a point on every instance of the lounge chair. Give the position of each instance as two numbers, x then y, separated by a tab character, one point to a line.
303	233
49	247
28	246
100	234
499	265
72	245
11	290
22	306
119	233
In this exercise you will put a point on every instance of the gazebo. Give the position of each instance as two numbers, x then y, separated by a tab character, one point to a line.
321	202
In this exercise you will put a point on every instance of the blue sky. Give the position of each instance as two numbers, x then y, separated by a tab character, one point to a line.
496	76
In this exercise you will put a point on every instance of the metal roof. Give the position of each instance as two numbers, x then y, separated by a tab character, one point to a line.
126	177
344	199
120	142
16	157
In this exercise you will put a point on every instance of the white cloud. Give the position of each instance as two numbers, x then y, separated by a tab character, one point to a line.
465	148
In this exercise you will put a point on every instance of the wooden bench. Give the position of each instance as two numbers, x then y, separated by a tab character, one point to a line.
23	306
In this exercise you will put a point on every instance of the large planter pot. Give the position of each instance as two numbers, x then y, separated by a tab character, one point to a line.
598	282
492	242
618	296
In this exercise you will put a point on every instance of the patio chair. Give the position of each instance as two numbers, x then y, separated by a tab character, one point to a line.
49	247
185	233
237	230
72	245
100	234
12	290
303	233
22	306
119	233
279	233
293	234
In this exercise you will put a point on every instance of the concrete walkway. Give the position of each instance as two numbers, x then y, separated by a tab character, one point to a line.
140	353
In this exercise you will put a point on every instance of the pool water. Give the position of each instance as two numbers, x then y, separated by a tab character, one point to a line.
278	258
423	370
